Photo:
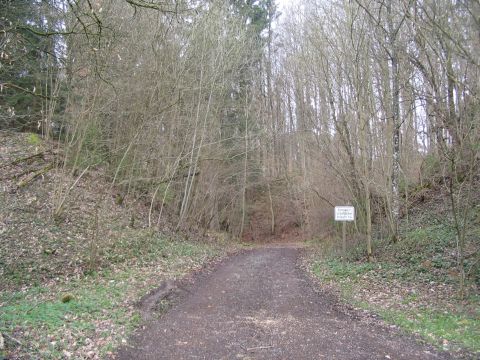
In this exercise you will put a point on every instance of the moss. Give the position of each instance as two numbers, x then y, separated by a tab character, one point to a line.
33	139
67	298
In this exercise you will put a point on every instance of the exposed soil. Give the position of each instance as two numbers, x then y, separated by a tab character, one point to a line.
261	305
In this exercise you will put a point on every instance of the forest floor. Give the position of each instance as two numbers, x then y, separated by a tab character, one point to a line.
69	285
260	304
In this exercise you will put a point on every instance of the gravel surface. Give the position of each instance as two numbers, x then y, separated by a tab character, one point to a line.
260	305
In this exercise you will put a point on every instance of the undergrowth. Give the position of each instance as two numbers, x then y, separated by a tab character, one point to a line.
413	283
449	327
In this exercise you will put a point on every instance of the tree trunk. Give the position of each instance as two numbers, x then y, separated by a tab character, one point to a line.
395	122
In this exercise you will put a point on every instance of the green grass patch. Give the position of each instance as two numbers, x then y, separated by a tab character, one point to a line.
96	300
436	327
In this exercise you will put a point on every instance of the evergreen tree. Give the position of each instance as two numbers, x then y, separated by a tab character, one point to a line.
27	62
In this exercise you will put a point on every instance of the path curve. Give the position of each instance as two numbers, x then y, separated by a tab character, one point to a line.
260	305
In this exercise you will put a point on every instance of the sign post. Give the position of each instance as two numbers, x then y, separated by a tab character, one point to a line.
344	214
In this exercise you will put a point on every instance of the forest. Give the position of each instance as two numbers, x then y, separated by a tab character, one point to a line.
222	123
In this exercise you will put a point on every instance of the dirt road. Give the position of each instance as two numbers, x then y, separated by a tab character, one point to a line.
260	305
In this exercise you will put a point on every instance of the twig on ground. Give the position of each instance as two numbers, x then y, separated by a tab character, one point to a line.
34	175
26	158
260	347
12	339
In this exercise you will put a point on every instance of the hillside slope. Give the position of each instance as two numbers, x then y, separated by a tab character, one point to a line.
70	282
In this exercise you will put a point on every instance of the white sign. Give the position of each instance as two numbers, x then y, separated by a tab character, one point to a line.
344	213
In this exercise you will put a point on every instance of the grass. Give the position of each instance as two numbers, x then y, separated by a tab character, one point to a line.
47	323
100	314
439	327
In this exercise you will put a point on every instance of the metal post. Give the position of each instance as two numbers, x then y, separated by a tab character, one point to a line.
344	237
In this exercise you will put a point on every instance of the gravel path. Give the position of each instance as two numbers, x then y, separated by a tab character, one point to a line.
260	305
